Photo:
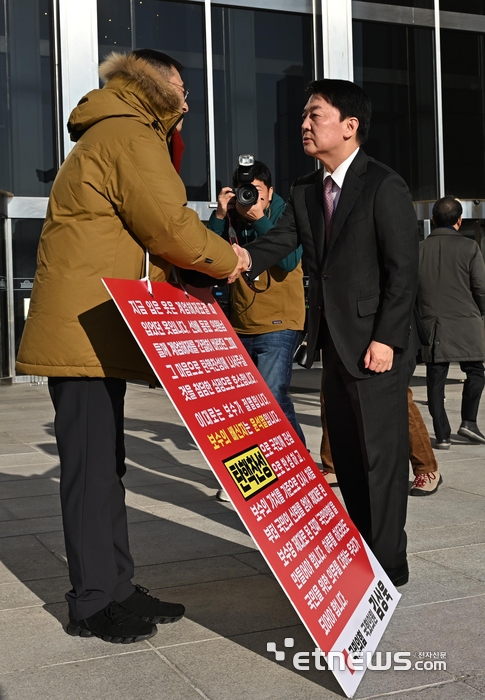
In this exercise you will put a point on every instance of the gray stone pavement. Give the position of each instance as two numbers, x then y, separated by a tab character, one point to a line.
190	548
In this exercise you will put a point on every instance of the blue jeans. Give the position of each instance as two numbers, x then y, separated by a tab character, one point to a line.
272	353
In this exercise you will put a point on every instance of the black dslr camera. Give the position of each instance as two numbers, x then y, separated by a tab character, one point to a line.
246	193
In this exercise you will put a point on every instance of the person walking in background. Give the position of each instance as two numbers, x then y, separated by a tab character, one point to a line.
268	321
451	304
427	477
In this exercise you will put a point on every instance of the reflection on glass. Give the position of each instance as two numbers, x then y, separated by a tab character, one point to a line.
424	4
114	27
175	28
25	240
474	7
262	64
27	129
3	305
394	65
462	61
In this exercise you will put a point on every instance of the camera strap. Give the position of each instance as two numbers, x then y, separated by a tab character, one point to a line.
233	241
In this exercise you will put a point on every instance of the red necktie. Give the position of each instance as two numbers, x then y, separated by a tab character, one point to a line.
328	207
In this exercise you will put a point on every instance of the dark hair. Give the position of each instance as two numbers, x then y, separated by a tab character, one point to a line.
157	59
349	99
447	211
260	172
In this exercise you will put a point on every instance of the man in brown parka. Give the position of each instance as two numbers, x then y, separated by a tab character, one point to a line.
116	195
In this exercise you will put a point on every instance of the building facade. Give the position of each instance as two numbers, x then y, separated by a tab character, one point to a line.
422	62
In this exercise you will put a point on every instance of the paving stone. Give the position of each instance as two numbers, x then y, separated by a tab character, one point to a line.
236	606
223	669
27	558
454	627
30	526
34	507
21	488
29	471
36	639
187	573
35	457
468	559
17	595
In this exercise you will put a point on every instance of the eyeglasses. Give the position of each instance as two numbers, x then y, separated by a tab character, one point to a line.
181	87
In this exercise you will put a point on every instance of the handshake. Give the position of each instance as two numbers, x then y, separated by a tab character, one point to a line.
243	264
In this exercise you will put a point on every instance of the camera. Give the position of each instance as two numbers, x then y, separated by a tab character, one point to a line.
246	193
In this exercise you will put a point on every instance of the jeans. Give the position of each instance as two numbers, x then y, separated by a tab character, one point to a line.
272	353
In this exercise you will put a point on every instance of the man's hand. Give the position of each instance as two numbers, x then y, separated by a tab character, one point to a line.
244	263
253	213
226	200
379	357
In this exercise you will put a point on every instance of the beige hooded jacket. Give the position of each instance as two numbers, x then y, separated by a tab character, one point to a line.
116	193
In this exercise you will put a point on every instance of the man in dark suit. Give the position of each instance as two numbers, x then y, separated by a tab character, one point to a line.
357	225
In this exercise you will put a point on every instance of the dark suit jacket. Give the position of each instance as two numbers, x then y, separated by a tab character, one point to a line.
366	281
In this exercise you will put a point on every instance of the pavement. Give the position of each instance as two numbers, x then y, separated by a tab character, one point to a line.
190	548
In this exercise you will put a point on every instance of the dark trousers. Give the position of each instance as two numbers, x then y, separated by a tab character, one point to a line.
369	433
90	440
436	373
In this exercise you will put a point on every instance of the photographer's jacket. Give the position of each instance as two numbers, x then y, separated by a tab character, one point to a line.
116	193
282	306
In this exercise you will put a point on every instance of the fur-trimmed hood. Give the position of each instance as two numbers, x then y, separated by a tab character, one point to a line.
133	88
159	91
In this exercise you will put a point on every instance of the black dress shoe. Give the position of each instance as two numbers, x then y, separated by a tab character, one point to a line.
470	430
151	609
115	624
399	575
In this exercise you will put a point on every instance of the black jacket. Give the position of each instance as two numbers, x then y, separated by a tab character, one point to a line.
451	297
366	281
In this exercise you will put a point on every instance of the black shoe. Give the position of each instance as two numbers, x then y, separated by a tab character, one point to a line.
443	444
470	430
399	576
151	609
115	624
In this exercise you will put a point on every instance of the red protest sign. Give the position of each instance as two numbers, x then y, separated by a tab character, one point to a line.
337	587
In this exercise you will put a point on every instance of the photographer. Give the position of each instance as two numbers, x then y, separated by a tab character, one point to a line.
268	321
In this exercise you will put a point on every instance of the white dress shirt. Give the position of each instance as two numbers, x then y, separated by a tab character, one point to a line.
338	177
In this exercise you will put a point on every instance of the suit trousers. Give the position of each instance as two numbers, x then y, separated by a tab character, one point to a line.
368	429
436	373
421	453
90	439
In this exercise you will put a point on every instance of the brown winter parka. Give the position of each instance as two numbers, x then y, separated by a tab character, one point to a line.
116	194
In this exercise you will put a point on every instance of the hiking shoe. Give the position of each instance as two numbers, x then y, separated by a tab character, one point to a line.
470	430
150	609
114	624
426	484
330	478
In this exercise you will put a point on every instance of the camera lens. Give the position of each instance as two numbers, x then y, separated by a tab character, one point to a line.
247	195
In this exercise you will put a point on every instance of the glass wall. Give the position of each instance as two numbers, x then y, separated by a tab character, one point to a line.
176	28
474	7
424	4
262	64
3	304
463	74
394	65
25	239
27	114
